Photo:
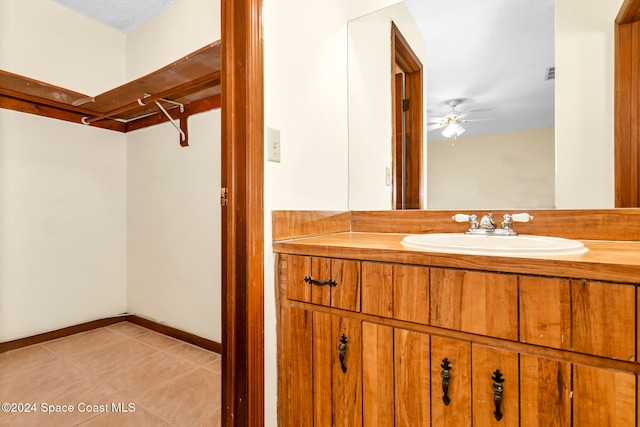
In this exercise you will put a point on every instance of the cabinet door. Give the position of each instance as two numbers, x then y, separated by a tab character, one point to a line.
455	408
395	377
411	371
337	371
298	369
396	291
490	408
604	319
319	391
545	312
324	281
411	293
545	392
377	375
476	302
603	398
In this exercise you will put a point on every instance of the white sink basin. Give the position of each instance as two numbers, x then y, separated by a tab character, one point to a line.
473	244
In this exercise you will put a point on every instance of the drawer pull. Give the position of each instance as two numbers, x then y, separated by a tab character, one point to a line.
343	350
310	280
497	393
445	374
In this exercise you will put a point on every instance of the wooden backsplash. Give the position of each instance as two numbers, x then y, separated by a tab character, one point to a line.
589	224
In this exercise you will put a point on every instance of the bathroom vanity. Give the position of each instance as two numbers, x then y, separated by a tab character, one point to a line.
373	333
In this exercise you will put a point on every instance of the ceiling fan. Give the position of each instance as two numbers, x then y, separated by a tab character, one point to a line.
451	124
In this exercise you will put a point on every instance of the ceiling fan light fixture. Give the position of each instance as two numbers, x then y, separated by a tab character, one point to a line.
453	130
449	130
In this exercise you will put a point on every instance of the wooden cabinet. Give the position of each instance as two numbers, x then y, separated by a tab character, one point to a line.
476	302
325	370
459	401
603	319
603	397
545	387
395	377
324	281
450	400
425	346
587	317
495	387
396	291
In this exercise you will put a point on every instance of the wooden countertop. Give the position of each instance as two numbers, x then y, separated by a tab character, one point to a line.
615	261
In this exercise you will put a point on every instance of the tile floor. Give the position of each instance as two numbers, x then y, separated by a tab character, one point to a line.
120	375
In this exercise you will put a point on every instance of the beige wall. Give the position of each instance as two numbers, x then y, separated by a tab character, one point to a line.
173	226
179	30
51	43
584	34
62	185
173	214
62	224
505	170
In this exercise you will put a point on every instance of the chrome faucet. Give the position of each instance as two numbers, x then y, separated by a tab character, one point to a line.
488	226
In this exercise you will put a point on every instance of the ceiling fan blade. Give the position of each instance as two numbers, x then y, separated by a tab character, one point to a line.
480	120
433	127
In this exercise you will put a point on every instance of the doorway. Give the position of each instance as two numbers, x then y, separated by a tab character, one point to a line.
407	131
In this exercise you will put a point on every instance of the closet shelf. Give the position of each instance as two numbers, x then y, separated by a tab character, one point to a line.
193	81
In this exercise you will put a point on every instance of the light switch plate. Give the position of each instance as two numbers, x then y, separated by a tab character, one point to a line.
387	177
273	145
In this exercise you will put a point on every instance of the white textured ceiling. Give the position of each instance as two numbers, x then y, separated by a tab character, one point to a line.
123	15
494	54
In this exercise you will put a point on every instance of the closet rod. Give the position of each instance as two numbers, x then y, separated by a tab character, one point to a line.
209	78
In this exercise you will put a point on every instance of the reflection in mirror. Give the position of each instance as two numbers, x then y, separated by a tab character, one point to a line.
407	129
370	103
486	70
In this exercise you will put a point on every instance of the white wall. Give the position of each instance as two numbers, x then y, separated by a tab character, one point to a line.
173	213
504	170
173	226
305	82
176	32
45	41
584	33
62	185
62	222
358	8
370	113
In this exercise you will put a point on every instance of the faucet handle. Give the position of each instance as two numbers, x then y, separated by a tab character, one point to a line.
521	217
461	217
472	219
507	224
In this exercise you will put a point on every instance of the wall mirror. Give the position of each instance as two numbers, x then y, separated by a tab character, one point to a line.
488	65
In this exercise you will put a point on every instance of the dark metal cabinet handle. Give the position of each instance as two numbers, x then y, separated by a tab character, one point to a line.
497	393
445	374
343	349
310	280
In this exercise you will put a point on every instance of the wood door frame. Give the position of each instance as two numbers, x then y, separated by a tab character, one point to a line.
403	57
243	217
627	103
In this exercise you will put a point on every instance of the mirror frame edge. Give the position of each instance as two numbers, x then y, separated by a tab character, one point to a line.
626	107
